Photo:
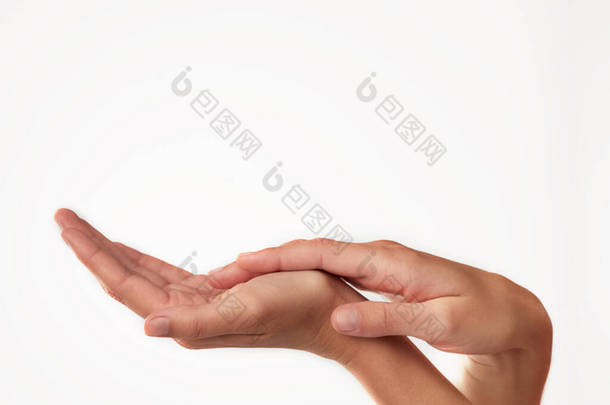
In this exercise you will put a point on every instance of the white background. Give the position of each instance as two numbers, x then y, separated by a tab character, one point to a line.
518	92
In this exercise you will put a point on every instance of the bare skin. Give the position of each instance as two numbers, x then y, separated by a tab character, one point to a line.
291	310
502	328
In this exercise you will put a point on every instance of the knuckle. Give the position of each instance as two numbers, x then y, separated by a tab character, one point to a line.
195	328
386	323
387	243
257	310
320	281
411	257
295	242
321	243
391	250
391	323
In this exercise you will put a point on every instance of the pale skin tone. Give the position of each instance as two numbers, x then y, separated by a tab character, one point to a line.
289	310
251	302
502	328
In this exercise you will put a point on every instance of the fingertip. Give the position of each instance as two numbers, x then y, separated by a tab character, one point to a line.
156	326
262	261
245	254
62	215
228	276
346	319
246	259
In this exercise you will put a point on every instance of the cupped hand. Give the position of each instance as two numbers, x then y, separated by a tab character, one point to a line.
469	310
274	310
454	307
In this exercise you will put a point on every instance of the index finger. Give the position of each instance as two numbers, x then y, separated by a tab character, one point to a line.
369	264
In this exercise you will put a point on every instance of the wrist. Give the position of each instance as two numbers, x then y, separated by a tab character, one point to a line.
517	374
394	371
328	342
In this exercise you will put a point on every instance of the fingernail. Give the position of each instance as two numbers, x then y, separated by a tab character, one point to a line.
347	320
157	327
245	254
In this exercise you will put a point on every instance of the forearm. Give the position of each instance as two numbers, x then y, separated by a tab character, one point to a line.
394	372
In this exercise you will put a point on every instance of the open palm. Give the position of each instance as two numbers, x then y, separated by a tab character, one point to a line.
274	310
142	282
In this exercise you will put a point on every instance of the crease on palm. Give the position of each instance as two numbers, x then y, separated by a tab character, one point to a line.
153	288
140	281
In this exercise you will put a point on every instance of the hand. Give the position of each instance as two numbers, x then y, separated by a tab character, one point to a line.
275	310
456	308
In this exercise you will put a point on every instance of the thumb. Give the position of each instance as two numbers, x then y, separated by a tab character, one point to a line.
186	321
374	319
